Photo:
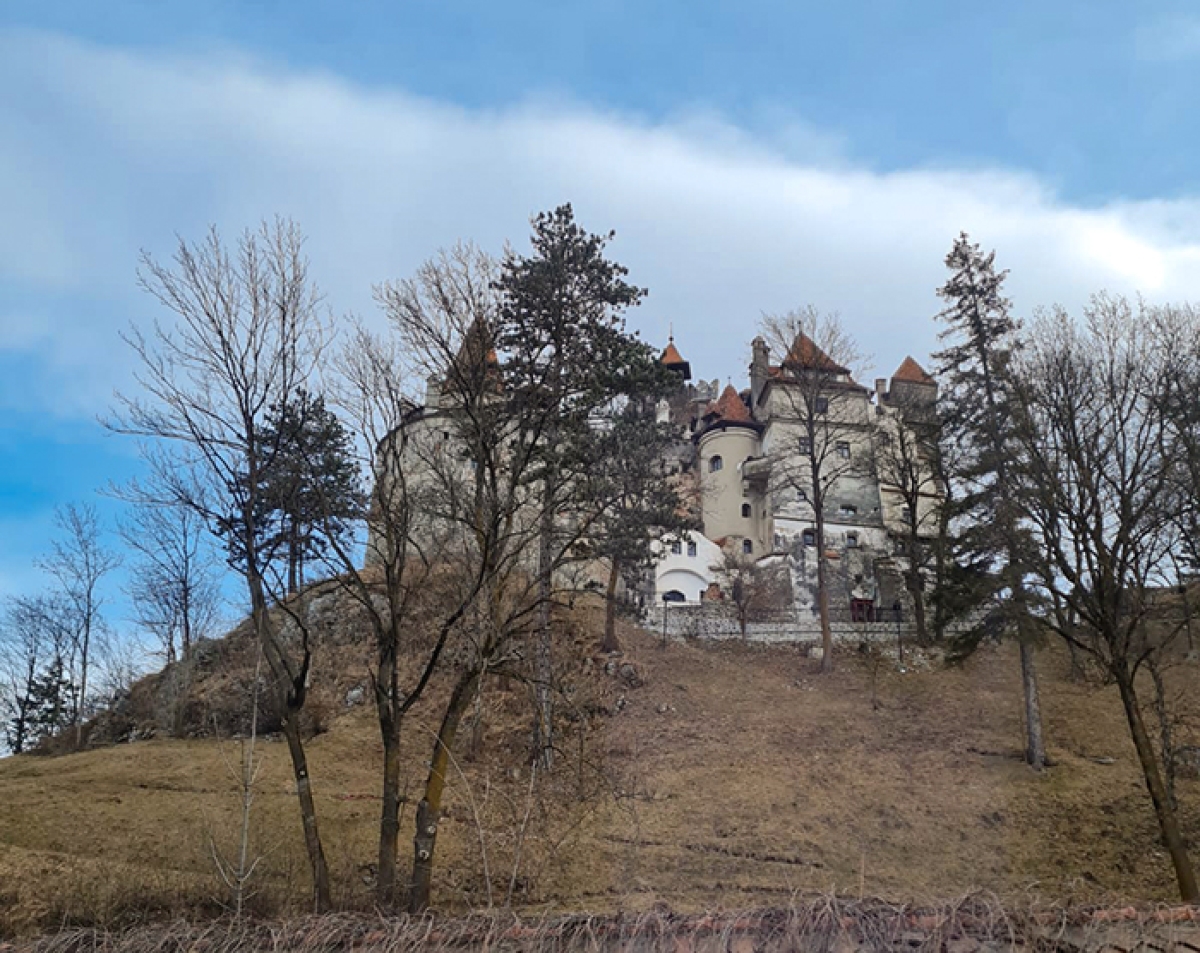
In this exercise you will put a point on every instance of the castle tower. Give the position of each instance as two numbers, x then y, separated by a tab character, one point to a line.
727	437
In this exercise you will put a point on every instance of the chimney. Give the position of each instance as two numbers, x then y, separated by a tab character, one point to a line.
880	393
758	370
433	392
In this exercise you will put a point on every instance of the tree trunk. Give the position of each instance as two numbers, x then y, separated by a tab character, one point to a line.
611	643
823	594
1168	822
83	674
308	814
543	675
389	818
916	590
289	697
1035	745
430	809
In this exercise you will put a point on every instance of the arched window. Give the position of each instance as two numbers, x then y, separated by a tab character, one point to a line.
746	510
673	595
747	547
715	464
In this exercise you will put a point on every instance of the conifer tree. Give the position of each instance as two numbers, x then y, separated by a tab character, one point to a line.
976	402
566	355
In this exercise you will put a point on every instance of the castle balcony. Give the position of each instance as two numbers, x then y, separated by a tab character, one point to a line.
756	472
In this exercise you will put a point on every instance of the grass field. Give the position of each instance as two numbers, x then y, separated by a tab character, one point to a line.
733	776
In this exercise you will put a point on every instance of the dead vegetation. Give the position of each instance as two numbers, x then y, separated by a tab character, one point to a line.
699	776
974	923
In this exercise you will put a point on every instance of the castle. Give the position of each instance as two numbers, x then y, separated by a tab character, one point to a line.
743	453
741	456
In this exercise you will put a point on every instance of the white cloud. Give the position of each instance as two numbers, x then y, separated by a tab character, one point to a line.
103	152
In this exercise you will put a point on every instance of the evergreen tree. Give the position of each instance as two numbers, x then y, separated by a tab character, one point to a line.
310	491
979	427
641	501
565	356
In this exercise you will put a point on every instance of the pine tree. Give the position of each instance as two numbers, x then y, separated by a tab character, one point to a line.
641	502
566	356
310	491
977	409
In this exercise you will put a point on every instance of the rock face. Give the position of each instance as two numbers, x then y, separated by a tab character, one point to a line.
214	690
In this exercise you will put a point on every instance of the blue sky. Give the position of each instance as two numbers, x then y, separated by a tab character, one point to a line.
752	157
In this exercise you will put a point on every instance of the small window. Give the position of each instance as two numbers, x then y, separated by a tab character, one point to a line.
843	449
673	595
852	540
821	405
676	547
715	464
745	510
747	547
810	537
445	434
847	509
802	496
805	445
906	514
691	548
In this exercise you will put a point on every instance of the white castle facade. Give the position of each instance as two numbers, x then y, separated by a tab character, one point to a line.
741	454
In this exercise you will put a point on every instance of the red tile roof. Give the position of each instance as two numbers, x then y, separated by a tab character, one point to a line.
671	355
804	353
909	370
730	407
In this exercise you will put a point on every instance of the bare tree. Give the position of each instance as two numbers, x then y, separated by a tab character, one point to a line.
174	586
826	432
237	871
247	334
78	561
37	638
750	588
906	460
1098	452
412	589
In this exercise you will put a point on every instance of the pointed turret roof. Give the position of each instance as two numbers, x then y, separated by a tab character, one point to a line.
804	354
730	408
912	372
673	359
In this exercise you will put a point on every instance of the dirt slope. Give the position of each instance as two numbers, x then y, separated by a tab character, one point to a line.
733	775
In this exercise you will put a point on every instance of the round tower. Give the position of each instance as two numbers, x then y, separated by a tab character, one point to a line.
727	437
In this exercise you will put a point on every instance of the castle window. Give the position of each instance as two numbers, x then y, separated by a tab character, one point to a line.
843	449
747	547
847	509
691	548
809	536
676	547
821	405
715	464
746	510
805	445
906	514
852	540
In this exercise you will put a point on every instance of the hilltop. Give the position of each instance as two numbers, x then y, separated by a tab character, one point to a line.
708	775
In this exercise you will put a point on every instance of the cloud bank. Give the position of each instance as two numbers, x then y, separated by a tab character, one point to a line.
105	151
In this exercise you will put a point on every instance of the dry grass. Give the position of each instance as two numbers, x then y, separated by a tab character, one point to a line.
734	777
828	923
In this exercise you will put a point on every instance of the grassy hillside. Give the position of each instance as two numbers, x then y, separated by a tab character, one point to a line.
733	775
